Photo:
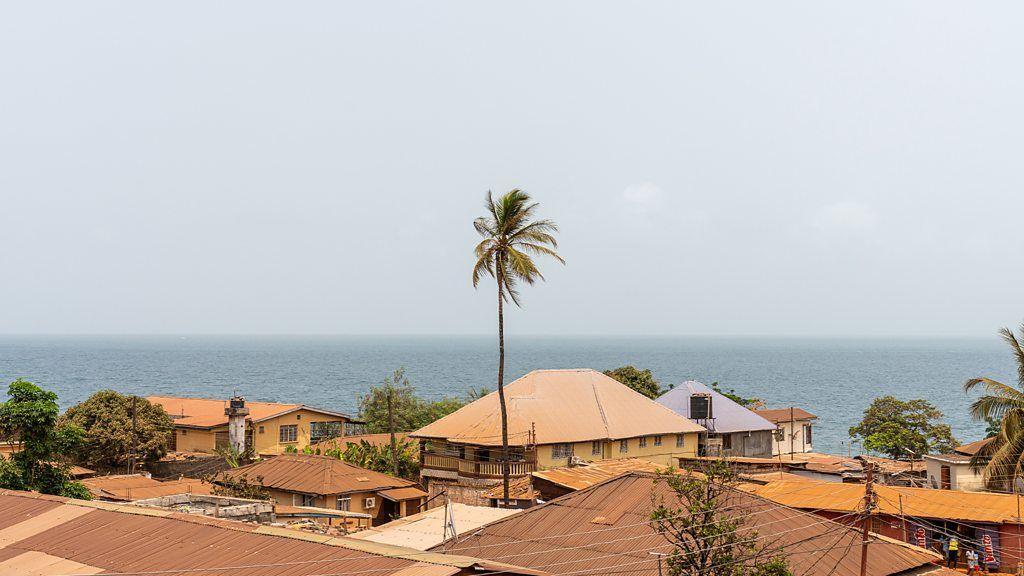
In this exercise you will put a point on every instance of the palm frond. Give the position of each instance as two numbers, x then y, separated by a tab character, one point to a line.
995	388
1018	352
538	249
522	267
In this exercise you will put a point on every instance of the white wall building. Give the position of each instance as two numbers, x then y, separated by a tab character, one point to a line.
795	430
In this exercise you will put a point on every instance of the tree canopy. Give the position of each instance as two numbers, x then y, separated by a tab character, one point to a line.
753	403
109	441
640	380
28	419
903	428
410	411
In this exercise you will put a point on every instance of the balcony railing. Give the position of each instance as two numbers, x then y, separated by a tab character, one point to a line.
475	468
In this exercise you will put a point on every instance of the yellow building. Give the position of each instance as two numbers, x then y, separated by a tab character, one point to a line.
554	416
201	425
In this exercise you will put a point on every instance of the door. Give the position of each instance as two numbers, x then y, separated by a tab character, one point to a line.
945	482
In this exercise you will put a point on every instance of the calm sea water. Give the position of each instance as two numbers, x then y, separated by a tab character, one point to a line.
835	378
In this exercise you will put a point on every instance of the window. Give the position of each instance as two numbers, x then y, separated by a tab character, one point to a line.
184	432
369	503
344	503
298	416
353	428
643	441
679	440
324	430
308	500
807	434
261	429
595	448
727	442
559	451
288	433
623	445
657	440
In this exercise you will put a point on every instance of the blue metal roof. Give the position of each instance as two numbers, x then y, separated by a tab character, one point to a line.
728	415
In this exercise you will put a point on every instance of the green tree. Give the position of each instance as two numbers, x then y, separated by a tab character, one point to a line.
706	539
410	411
380	458
238	487
28	419
752	403
1001	405
903	429
113	437
511	238
640	380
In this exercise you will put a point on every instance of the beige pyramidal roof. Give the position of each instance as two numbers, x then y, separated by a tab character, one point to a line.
562	406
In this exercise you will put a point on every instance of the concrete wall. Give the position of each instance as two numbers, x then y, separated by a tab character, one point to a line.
265	434
798	444
666	454
961	476
356	503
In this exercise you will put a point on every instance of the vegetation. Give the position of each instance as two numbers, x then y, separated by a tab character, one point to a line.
511	238
903	429
707	541
752	403
640	380
29	420
381	458
240	487
1002	405
120	430
410	411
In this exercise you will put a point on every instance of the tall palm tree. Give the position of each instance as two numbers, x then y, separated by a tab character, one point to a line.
511	238
1003	457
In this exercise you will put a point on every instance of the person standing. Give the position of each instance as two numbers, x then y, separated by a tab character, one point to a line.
952	551
972	561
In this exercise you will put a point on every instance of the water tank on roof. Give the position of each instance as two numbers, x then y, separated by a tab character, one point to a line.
700	407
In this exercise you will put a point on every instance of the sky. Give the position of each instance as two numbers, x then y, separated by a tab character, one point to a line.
805	168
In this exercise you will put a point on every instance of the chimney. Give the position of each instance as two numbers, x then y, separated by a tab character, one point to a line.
236	413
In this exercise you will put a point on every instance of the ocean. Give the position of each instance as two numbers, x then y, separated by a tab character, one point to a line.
835	378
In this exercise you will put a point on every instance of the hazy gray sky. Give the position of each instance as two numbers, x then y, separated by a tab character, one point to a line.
759	167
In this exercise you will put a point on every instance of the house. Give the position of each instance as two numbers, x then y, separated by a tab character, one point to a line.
201	425
551	483
732	430
554	417
50	536
915	515
953	471
427	529
132	487
606	529
324	482
796	429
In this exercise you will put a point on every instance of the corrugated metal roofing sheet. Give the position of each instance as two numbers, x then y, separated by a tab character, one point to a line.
426	529
209	412
399	494
956	505
580	477
728	415
118	539
130	487
562	536
311	474
778	415
562	406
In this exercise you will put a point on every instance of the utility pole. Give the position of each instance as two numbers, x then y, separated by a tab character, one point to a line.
391	429
869	506
903	519
792	432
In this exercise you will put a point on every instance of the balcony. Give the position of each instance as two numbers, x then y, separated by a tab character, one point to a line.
466	468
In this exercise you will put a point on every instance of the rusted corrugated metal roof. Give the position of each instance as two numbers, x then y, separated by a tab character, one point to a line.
520	488
399	494
129	487
605	528
209	412
779	415
561	406
50	531
580	477
312	474
956	505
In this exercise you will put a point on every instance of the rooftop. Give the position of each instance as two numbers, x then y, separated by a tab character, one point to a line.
209	413
728	415
973	448
311	474
985	507
561	406
779	415
49	535
580	477
606	529
130	487
426	529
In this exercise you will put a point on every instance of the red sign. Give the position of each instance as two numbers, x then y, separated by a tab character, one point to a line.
990	557
919	533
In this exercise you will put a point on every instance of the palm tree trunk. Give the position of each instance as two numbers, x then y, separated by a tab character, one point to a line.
501	386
